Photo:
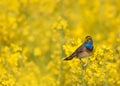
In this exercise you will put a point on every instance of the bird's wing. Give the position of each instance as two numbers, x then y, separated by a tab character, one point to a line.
79	49
76	52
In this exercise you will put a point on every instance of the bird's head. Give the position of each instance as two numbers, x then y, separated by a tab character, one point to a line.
88	38
88	43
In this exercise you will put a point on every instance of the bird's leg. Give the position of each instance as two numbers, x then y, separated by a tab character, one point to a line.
82	63
86	62
81	60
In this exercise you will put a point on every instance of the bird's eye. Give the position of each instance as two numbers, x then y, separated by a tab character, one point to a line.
88	38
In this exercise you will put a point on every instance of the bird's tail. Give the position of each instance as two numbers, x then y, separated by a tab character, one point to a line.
70	57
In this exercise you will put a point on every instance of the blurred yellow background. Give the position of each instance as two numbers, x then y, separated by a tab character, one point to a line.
36	35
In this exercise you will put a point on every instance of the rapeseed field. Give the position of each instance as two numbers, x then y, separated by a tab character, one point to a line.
36	35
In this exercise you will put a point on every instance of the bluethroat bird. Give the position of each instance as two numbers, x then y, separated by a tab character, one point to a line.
84	50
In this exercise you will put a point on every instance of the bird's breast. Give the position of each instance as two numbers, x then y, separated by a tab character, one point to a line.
83	54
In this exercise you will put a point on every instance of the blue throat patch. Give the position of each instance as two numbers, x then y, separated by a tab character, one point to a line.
88	45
